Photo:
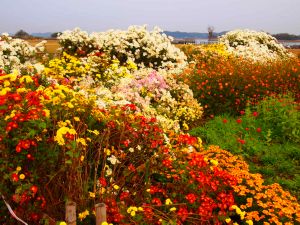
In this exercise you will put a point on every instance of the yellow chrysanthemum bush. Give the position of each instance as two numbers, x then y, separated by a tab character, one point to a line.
94	70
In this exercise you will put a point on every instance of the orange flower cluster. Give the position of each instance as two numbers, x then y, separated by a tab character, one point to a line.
265	203
227	84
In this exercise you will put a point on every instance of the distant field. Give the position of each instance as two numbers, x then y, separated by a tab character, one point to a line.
295	51
51	45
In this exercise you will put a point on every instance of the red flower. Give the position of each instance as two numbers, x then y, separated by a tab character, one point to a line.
242	112
15	177
34	189
191	198
242	141
239	120
156	201
182	213
258	129
225	121
102	181
255	114
131	168
124	195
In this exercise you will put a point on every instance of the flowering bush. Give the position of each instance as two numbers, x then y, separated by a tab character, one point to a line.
227	84
161	95
76	42
58	125
254	45
263	204
149	49
19	54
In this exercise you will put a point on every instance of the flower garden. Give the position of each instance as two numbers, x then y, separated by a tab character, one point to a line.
160	134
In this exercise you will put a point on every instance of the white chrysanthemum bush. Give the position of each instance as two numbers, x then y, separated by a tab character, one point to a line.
17	54
146	48
254	45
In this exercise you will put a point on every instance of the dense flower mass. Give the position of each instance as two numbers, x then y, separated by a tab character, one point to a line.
19	54
254	45
226	84
146	49
109	112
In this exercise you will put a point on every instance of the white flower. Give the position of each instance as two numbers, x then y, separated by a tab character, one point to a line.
113	160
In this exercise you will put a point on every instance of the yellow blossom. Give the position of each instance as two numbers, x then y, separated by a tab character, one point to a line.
47	113
18	168
105	223
116	187
168	201
250	222
227	220
214	162
92	194
62	223
26	78
172	209
83	215
81	158
70	105
6	83
76	119
81	141
22	176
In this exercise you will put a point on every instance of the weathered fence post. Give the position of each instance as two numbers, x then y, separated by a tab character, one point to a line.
100	209
71	213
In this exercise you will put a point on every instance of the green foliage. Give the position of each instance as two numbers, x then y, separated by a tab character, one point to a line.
267	135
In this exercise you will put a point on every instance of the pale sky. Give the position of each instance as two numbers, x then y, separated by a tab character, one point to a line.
273	16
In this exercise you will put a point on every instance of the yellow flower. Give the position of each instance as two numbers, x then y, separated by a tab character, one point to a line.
81	158
6	83
70	105
81	141
214	162
132	213
83	215
47	113
250	222
22	176
105	223
76	119
116	187
168	201
92	194
18	168
172	209
62	223
107	151
227	220
26	78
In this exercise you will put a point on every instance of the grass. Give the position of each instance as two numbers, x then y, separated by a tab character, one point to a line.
273	151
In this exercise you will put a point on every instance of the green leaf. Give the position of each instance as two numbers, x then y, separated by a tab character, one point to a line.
70	153
69	161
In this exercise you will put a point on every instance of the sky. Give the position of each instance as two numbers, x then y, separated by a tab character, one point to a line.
273	16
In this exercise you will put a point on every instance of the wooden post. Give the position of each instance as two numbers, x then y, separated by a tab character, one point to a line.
100	213
71	213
